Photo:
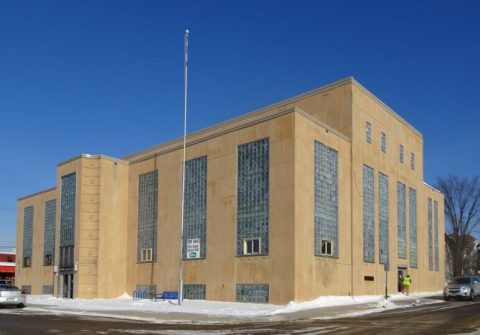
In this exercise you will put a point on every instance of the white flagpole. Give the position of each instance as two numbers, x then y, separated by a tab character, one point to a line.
180	289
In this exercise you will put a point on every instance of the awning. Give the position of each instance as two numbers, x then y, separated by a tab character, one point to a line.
7	269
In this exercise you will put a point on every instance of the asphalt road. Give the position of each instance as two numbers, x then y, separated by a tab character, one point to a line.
454	317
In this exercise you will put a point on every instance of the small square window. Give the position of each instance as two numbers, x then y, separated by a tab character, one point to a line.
401	153
368	132
384	142
327	248
251	246
146	255
48	260
26	262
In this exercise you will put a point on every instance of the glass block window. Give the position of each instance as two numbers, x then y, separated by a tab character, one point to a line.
195	207
383	222
383	142
47	289
412	214
67	210
430	234
252	292
401	153
326	199
368	215
412	161
401	221
368	132
253	194
435	236
147	216
27	235
150	289
194	291
49	232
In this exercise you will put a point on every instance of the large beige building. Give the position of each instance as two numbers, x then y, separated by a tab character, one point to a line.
308	197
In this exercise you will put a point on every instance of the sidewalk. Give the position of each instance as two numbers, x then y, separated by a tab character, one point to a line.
221	312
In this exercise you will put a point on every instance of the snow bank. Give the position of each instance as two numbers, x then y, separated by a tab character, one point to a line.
214	308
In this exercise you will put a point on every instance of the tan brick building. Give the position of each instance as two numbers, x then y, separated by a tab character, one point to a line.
304	198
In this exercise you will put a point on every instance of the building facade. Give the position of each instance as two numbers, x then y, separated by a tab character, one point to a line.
7	267
316	195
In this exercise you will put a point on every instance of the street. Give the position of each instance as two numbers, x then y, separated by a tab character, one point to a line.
453	317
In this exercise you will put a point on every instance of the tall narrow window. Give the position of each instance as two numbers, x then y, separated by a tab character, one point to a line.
147	217
401	150
435	236
412	161
27	236
401	221
67	221
383	221
368	132
253	194
430	234
195	209
326	200
412	214
49	232
368	216
384	142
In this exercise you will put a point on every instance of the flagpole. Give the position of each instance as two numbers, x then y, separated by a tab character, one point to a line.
180	289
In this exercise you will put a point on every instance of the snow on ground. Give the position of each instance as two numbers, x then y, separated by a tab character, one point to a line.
125	303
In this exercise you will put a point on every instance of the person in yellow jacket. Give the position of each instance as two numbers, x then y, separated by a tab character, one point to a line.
407	281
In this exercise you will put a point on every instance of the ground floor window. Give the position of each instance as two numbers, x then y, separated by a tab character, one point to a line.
149	290
27	289
252	292
47	289
194	291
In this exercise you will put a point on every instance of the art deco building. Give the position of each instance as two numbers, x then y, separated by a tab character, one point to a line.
308	197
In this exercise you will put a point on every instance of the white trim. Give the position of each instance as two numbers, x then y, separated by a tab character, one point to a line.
7	264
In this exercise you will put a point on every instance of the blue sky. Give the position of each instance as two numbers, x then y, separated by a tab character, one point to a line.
107	76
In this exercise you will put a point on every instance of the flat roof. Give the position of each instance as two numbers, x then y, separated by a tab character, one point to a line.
272	111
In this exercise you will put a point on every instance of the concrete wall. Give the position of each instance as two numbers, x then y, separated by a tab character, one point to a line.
222	269
367	108
314	275
38	274
100	226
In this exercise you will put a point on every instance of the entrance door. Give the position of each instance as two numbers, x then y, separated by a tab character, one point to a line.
402	272
66	285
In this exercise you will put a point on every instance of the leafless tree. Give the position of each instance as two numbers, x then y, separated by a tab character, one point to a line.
462	214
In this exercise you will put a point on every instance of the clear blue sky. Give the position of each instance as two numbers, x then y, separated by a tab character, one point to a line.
107	76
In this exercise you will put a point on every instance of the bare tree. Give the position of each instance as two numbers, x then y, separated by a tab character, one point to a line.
462	214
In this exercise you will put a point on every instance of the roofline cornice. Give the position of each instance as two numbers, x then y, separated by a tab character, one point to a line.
116	160
386	107
36	193
191	140
270	110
